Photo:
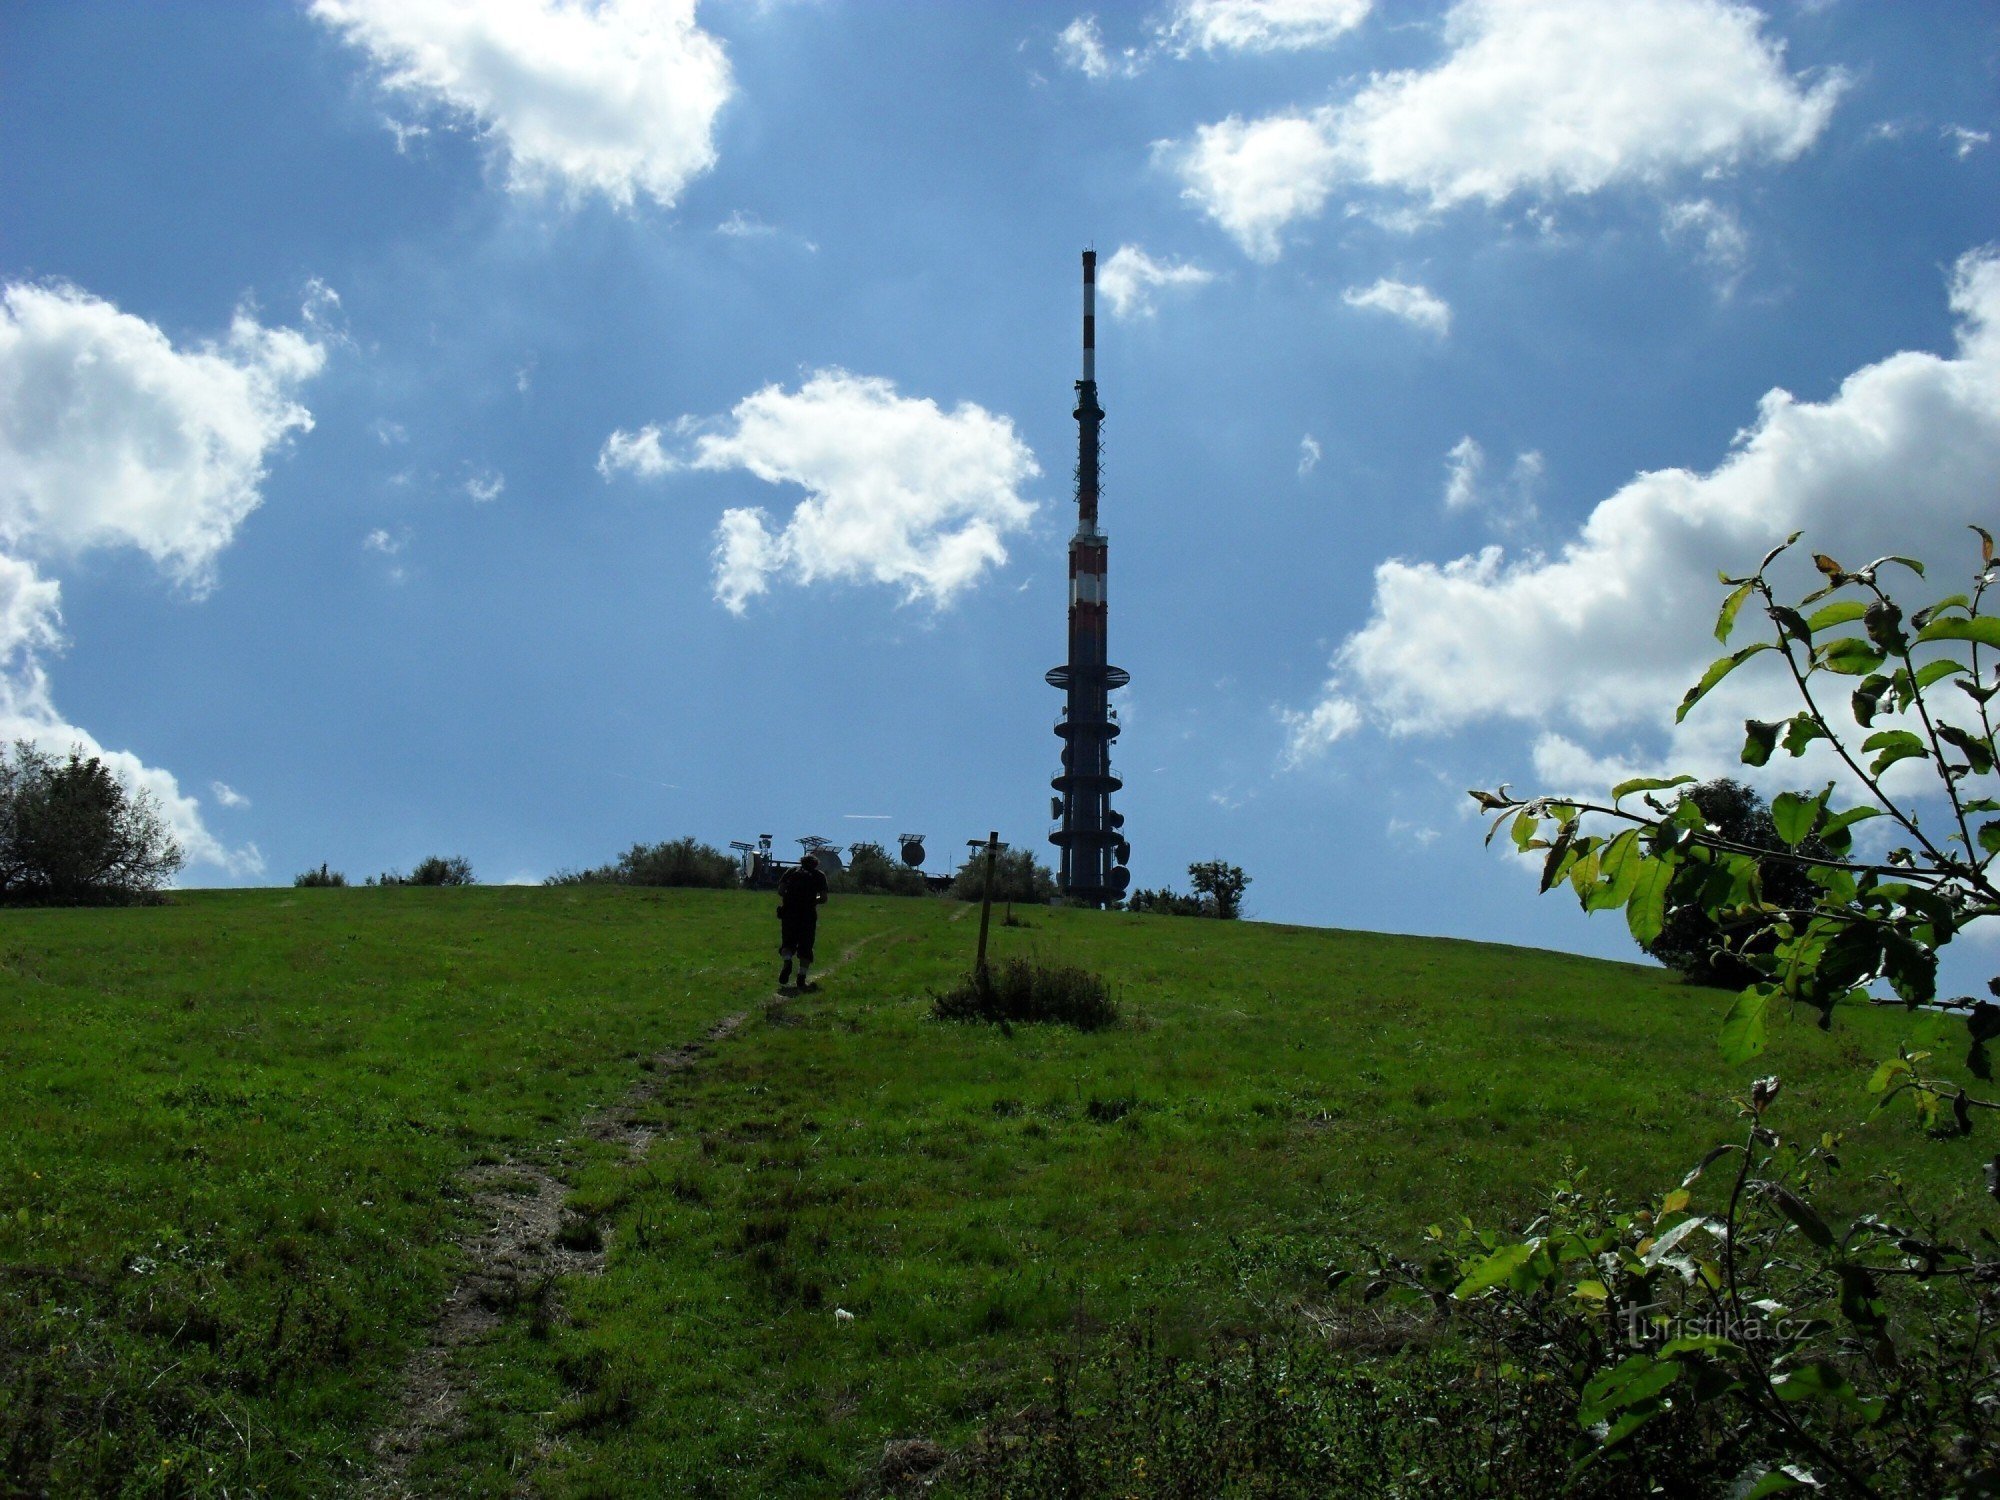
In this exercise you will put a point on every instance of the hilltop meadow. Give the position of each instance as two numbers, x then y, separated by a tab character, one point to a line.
257	1143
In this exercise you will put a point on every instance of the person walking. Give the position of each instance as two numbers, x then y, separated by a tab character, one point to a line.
801	893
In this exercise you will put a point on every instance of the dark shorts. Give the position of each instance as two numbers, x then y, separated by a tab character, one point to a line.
796	931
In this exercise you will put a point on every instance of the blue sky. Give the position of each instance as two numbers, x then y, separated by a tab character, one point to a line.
517	430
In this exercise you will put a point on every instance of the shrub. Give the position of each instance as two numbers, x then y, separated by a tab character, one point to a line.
1218	892
439	870
1017	876
677	862
870	871
71	833
1028	990
1166	903
320	877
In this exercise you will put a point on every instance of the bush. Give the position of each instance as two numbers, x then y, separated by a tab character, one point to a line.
320	877
1166	903
71	833
1218	892
1028	990
438	870
1017	876
870	871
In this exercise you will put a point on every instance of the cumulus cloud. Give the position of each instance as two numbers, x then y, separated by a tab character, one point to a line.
638	453
617	98
1593	645
1309	454
1130	277
1463	467
1262	25
1416	305
110	436
1508	502
1543	98
227	795
898	491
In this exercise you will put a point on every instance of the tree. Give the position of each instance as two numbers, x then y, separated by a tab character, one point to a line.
675	862
439	870
1692	941
1222	884
1017	876
70	832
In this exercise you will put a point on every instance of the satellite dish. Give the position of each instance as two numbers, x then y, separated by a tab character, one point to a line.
1124	852
913	853
1055	807
829	858
1120	878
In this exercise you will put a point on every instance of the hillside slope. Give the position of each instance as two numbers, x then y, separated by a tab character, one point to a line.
233	1183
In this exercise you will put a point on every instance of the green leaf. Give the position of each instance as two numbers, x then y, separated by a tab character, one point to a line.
1632	1382
1983	630
1777	1481
1978	752
1850	656
1894	745
1647	784
1989	837
1937	671
1743	1028
1726	621
1801	1213
1646	911
1618	866
1896	557
1844	612
1717	670
1890	1070
1868	699
1498	1267
1930	612
1759	739
1794	815
1840	822
1801	732
1820	1380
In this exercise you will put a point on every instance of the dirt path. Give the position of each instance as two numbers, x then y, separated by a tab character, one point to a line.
522	1245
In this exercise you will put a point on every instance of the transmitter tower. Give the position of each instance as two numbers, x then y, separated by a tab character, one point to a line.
1094	851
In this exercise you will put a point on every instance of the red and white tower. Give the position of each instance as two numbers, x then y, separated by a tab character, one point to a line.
1094	851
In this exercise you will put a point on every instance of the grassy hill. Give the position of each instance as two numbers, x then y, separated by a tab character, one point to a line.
244	1137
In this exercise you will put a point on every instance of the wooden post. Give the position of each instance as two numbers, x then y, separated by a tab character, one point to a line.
986	898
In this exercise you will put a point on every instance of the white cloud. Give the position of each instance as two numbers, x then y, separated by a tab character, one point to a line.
637	453
227	795
1599	640
1715	232
1130	277
1080	45
1309	731
380	541
1309	454
1257	177
111	436
742	226
617	98
1416	305
1965	141
898	491
1463	467
1262	25
486	486
1542	98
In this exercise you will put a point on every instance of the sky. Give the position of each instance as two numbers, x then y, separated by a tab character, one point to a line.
521	429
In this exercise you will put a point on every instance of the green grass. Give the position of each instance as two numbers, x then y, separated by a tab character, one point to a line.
232	1125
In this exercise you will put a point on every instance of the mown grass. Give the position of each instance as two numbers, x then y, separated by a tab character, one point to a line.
232	1125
